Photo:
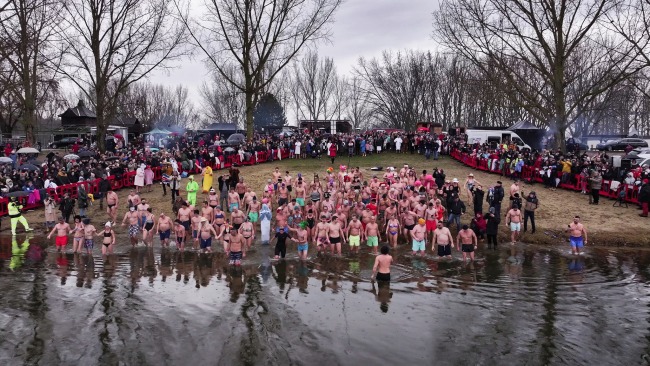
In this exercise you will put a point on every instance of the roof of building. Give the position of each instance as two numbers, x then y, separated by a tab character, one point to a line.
79	111
217	126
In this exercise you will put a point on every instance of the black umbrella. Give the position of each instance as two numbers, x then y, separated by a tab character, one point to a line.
28	167
35	162
111	158
86	154
17	194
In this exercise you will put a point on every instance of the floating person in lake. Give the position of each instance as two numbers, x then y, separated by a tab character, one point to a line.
381	268
467	242
578	235
62	231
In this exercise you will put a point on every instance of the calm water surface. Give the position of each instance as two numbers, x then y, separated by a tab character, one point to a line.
517	305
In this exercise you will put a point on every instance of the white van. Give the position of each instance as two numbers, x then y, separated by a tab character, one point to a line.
495	136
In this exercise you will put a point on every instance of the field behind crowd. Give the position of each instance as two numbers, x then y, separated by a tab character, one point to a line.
606	225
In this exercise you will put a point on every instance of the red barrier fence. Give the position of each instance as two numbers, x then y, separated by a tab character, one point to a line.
574	183
128	179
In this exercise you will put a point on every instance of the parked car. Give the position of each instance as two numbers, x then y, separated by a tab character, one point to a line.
621	144
640	151
64	142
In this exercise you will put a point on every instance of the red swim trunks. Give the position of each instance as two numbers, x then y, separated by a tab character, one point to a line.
431	225
61	241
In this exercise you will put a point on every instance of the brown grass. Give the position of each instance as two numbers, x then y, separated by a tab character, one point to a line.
606	225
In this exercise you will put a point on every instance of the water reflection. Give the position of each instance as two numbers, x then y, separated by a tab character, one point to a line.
524	304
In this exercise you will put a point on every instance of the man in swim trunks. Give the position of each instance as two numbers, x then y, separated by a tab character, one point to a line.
89	235
418	234
195	224
513	218
408	222
321	237
183	216
235	248
163	228
354	233
142	212
134	229
578	235
442	237
62	231
372	234
206	232
207	212
179	230
284	196
302	236
300	195
430	215
467	242
381	268
233	200
112	200
336	235
237	217
254	211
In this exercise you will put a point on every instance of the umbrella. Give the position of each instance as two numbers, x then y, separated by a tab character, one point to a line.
27	150
111	158
35	162
118	136
17	194
87	154
5	159
154	149
28	167
229	149
71	157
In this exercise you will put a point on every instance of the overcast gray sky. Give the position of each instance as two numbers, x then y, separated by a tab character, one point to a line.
361	28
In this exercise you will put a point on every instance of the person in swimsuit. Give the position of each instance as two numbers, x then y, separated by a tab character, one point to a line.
62	231
381	268
235	248
322	229
302	236
78	239
147	229
392	230
134	229
164	229
206	232
179	230
467	242
443	239
89	234
225	235
112	201
109	239
247	231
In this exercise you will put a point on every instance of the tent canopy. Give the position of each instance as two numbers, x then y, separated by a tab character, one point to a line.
158	131
523	125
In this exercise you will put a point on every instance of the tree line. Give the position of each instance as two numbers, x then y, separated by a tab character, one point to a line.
578	67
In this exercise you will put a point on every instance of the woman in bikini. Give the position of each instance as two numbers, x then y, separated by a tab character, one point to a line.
392	230
78	239
470	183
109	239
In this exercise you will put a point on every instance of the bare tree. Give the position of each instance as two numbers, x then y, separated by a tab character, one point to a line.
152	103
357	108
316	81
223	101
112	44
529	49
27	34
258	38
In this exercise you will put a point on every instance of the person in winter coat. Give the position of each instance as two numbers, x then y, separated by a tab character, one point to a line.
479	225
492	227
478	195
644	197
531	204
497	197
595	184
82	200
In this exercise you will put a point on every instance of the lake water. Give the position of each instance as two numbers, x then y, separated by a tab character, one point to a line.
516	305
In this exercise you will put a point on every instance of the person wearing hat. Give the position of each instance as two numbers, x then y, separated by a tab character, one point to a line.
213	198
492	227
207	178
108	241
497	196
531	204
418	235
470	183
191	188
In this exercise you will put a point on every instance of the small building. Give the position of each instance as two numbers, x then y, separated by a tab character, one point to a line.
332	126
222	129
78	116
82	120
